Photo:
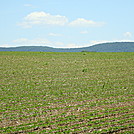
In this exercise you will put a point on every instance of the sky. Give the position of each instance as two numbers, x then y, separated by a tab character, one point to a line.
65	23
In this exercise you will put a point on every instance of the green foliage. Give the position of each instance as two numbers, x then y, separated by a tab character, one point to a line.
84	70
66	92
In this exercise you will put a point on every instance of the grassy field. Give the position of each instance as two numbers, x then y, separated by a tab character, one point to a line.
66	93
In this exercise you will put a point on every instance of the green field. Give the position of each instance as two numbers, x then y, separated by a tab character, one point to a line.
66	93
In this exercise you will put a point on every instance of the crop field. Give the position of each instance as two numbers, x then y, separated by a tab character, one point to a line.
66	93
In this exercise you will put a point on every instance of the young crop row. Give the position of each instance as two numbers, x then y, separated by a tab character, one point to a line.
73	123
108	115
39	110
66	92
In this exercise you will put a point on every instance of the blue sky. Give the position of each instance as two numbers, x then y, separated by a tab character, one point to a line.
65	23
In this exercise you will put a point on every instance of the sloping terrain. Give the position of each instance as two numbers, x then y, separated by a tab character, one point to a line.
105	47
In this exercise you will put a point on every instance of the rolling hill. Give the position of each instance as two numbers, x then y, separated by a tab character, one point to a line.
104	47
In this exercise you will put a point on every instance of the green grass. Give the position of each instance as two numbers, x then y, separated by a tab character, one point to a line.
66	92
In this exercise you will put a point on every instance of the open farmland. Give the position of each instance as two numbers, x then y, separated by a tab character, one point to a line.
71	93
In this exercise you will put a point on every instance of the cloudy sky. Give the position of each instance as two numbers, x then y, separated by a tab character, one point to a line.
65	23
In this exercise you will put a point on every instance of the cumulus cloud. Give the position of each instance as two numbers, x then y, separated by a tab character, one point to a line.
81	22
127	34
42	18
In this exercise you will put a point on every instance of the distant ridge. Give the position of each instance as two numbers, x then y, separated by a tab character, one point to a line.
103	47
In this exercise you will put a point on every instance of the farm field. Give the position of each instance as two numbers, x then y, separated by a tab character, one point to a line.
66	93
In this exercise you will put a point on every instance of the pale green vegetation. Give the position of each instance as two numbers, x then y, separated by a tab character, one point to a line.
69	93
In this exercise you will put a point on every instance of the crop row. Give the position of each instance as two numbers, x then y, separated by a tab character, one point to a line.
66	92
92	118
90	125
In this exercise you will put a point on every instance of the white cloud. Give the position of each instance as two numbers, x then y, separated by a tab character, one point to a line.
45	42
37	42
81	22
6	45
71	45
128	34
54	34
25	41
42	18
106	41
94	42
84	32
75	45
58	44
